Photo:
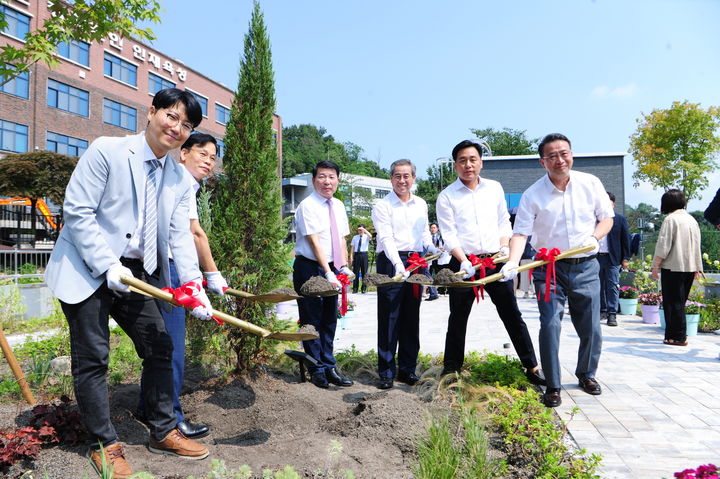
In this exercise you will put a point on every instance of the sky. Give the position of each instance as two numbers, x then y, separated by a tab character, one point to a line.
409	79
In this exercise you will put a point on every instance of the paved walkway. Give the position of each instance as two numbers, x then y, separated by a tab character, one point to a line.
659	412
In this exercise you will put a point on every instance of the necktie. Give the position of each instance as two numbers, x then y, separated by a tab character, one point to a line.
359	249
334	237
150	227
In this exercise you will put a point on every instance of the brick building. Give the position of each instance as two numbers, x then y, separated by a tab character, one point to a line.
99	89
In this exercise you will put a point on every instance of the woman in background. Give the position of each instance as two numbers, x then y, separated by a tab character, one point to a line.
677	262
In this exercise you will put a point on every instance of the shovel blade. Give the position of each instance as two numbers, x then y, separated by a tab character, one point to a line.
292	336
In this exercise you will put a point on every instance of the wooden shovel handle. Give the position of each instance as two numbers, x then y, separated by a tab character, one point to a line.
16	370
431	257
157	293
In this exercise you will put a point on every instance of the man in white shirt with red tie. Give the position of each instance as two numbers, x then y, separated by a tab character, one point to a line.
564	209
401	222
475	222
321	250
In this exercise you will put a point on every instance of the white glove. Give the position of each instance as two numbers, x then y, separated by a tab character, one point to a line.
203	312
347	272
509	271
112	275
592	241
400	270
504	251
468	268
432	249
216	284
330	276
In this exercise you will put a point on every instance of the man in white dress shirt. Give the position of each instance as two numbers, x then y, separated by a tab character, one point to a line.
359	257
321	250
401	222
475	222
564	209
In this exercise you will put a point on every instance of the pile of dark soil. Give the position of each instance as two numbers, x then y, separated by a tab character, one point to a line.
446	276
268	421
374	279
420	279
283	291
317	286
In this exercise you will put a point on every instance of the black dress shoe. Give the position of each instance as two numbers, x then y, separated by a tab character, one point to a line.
407	378
432	298
590	386
318	379
551	398
536	377
385	383
193	431
612	320
333	377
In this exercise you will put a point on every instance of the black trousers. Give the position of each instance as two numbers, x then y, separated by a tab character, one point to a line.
398	322
675	291
503	297
359	267
140	318
319	312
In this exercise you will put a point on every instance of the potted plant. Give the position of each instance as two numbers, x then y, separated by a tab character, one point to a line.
692	316
628	300
650	306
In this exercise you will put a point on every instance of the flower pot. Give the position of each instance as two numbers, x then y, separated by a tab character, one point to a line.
650	313
691	324
628	306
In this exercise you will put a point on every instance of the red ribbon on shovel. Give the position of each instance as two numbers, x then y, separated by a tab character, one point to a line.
185	296
550	279
415	261
345	282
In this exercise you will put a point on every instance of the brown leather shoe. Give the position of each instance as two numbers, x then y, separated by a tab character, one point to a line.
176	444
114	461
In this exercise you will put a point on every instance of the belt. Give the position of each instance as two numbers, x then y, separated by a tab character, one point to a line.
131	261
577	260
603	254
483	255
408	253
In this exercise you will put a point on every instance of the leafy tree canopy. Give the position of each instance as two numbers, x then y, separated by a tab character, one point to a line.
507	141
305	145
677	147
84	20
40	174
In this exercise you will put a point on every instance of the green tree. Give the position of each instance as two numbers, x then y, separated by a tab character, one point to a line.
247	234
508	141
84	20
36	175
642	211
677	147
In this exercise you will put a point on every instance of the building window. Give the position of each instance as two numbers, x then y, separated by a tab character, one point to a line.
18	24
157	83
381	193
220	148
67	145
202	100
18	86
13	137
120	69
68	98
222	114
117	114
77	51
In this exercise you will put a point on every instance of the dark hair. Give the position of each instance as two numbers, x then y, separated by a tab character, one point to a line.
549	139
672	200
466	144
361	225
611	196
433	223
200	139
330	165
171	96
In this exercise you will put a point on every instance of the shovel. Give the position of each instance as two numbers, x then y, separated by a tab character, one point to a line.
384	280
142	287
533	264
266	298
459	274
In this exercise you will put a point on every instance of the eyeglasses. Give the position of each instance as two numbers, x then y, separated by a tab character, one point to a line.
564	154
173	119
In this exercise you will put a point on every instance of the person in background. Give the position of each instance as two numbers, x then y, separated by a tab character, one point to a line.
677	262
614	249
401	223
322	226
359	257
564	209
197	155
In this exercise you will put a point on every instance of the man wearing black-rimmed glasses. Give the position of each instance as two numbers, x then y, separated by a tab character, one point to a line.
564	209
474	219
